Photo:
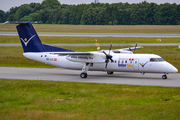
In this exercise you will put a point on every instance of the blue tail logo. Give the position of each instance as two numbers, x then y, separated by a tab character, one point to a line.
25	41
30	40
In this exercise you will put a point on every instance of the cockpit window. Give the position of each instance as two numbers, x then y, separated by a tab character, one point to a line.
153	60
156	59
160	59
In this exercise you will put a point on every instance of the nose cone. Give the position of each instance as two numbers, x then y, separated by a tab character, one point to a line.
172	69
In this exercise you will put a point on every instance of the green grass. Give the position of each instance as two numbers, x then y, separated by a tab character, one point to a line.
142	29
13	56
89	40
20	99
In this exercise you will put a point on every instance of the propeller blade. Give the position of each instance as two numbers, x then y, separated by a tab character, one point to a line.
135	47
104	53
110	48
106	66
107	61
112	60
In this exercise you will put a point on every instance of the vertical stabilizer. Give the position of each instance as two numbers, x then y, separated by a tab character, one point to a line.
29	38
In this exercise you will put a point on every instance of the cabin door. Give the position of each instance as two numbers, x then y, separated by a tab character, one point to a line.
136	64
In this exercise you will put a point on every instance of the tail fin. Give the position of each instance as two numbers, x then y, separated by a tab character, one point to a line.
29	38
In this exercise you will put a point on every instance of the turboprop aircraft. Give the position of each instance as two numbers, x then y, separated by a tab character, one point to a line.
119	60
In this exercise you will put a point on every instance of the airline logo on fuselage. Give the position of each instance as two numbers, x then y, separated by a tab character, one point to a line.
82	57
122	65
126	65
125	62
129	65
143	64
25	41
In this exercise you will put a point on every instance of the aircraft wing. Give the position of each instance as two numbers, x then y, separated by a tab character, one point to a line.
72	53
129	49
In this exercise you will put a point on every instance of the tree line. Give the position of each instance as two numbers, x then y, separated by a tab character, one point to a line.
52	12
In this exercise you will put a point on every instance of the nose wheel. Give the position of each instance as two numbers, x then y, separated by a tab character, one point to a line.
83	75
164	77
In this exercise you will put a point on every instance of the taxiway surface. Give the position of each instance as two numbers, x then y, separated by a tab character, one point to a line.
99	35
58	74
139	44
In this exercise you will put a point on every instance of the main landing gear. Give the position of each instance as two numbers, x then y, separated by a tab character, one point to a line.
85	69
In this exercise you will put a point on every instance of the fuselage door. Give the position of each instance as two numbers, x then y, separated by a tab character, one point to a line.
136	64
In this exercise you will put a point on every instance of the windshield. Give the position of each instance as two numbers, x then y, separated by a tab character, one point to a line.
160	59
156	59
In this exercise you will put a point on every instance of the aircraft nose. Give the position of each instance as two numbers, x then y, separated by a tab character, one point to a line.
173	69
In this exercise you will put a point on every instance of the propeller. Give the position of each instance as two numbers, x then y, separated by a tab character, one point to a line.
134	48
108	57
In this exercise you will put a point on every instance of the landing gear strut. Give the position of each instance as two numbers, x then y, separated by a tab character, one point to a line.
85	69
164	76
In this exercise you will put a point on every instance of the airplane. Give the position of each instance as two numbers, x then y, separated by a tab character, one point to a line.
110	61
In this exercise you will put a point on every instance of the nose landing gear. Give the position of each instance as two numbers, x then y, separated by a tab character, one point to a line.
83	75
164	76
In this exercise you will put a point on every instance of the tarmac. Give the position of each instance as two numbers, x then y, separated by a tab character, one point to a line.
100	35
58	74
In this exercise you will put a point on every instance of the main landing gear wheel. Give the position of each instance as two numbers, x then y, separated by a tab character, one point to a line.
83	75
109	72
164	77
85	69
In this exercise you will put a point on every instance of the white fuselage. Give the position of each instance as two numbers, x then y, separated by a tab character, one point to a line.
122	62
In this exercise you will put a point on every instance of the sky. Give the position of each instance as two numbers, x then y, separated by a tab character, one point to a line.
5	5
